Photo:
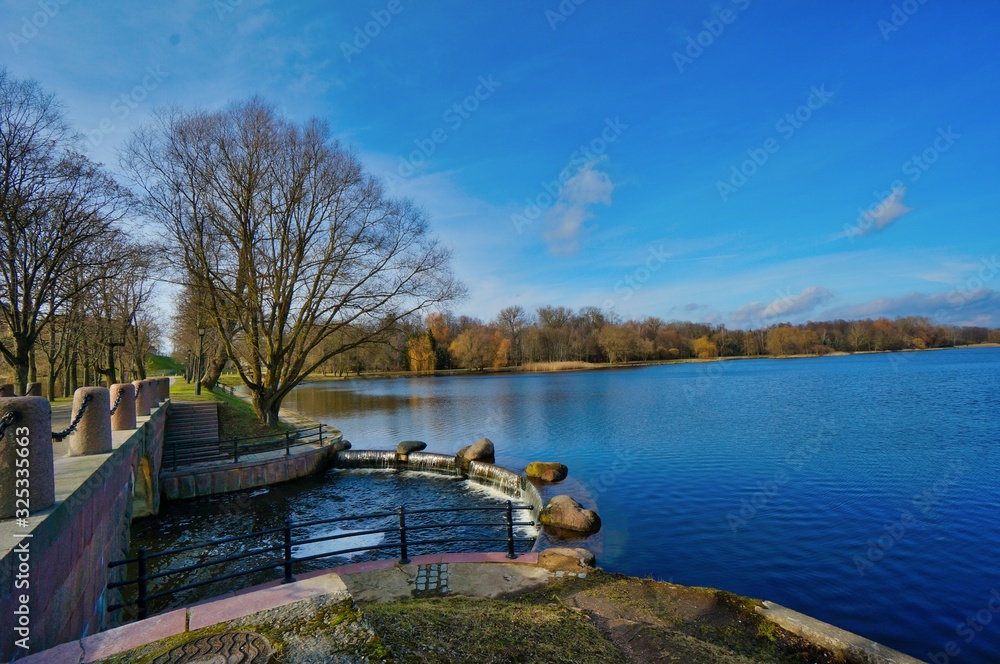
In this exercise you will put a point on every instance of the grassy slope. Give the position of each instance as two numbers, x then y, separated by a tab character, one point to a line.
605	618
236	416
162	365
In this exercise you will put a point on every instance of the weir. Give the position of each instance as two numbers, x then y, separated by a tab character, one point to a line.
506	481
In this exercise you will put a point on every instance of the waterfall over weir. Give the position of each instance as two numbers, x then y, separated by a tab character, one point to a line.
511	484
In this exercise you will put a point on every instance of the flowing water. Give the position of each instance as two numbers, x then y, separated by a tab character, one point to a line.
862	490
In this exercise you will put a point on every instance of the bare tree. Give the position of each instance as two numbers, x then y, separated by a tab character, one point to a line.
288	237
58	214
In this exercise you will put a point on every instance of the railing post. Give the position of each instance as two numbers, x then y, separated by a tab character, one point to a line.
236	450
288	443
143	590
404	559
321	435
288	553
510	531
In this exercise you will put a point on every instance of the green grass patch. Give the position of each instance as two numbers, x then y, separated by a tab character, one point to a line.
162	365
237	418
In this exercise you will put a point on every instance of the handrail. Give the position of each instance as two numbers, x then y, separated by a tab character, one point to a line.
221	449
287	561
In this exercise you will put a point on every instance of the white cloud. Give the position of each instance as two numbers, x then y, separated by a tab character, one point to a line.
786	306
961	306
564	220
879	216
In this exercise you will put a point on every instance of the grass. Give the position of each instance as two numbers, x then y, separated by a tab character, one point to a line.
604	618
538	367
463	629
237	418
162	365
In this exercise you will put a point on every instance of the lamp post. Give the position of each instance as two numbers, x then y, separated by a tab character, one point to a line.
201	352
115	340
187	367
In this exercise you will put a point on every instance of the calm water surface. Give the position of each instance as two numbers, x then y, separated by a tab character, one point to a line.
862	490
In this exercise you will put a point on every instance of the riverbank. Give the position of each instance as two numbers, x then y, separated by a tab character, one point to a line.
576	366
479	608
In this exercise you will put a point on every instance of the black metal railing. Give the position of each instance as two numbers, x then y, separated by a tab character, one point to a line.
179	454
282	540
225	389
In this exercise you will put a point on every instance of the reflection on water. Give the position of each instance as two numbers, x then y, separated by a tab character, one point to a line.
768	478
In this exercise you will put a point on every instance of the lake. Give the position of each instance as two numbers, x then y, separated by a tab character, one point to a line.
861	490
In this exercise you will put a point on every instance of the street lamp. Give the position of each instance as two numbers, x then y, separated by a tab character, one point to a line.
115	340
201	351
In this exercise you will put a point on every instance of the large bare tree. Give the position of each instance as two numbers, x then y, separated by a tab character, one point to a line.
58	215
289	239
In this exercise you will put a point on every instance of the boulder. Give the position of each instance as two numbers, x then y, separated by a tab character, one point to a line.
481	450
546	471
341	445
564	513
408	446
566	559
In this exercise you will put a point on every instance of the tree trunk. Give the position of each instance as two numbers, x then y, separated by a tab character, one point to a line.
33	366
265	405
74	377
213	371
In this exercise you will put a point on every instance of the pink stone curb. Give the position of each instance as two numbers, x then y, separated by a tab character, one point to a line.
239	604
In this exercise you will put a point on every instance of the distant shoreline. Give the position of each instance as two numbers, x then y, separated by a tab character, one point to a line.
575	366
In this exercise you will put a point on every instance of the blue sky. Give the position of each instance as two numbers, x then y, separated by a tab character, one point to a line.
734	161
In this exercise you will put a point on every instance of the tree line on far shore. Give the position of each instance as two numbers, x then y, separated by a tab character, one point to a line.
517	338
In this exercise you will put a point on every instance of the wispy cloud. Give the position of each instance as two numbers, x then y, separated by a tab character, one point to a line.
787	306
879	216
980	306
564	221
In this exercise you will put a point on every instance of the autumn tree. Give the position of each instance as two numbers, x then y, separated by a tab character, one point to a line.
704	348
288	236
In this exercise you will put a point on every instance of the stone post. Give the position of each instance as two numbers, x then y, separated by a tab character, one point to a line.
31	431
164	388
93	433
154	392
34	390
124	417
7	390
142	401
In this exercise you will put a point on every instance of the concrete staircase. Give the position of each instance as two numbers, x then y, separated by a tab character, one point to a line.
189	422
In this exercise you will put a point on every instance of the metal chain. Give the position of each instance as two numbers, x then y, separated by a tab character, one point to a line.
59	435
9	418
117	401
